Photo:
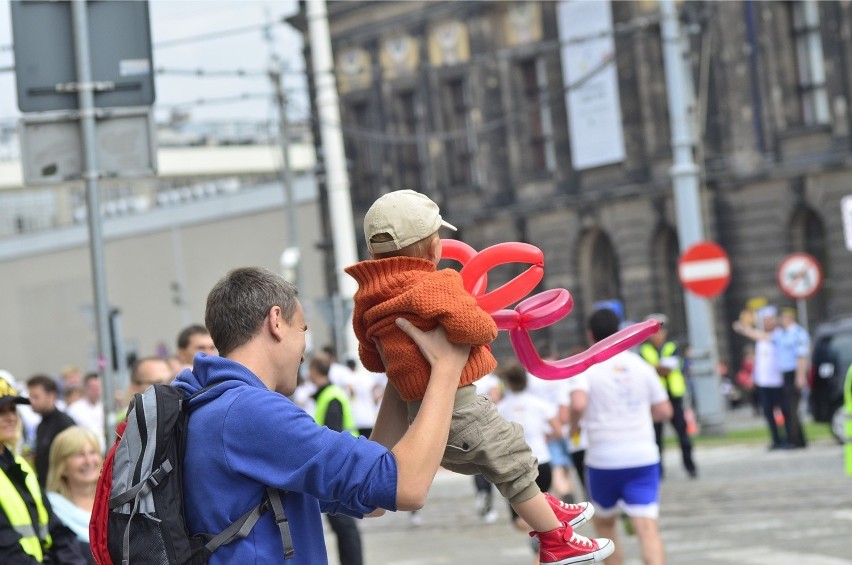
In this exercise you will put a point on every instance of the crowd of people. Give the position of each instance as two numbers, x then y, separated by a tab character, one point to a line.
352	439
52	447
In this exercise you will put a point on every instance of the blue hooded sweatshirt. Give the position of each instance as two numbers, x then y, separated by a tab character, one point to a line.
243	437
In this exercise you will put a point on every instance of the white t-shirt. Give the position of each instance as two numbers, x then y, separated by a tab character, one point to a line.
487	385
534	415
552	392
621	391
339	374
363	386
89	416
766	372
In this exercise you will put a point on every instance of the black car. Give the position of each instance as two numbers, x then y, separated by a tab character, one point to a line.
832	356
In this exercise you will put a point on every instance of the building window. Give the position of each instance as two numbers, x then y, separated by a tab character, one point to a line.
457	147
809	62
408	162
599	271
358	152
535	124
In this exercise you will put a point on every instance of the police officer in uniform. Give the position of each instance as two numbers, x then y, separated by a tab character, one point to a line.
29	532
665	357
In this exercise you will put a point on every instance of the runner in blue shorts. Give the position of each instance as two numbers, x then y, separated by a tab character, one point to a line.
616	403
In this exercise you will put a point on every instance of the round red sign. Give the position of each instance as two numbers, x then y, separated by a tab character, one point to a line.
704	269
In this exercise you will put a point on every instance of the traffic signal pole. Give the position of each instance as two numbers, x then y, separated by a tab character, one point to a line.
690	224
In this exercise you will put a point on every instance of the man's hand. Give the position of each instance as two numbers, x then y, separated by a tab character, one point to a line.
436	348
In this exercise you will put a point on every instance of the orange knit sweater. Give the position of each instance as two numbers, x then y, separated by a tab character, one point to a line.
413	289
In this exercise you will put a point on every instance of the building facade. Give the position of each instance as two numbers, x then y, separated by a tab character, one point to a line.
466	101
166	241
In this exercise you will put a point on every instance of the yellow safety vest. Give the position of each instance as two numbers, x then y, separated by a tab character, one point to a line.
847	402
334	392
674	383
19	515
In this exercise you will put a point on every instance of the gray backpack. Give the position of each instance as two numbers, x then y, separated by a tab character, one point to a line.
145	523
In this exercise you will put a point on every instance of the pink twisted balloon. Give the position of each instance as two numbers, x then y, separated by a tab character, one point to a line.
537	311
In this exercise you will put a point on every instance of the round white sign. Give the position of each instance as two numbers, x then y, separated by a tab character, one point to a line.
799	275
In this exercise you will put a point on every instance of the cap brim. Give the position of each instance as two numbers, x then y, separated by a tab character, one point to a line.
13	399
448	225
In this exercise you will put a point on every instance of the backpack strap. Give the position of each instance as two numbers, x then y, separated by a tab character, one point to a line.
242	526
143	487
274	497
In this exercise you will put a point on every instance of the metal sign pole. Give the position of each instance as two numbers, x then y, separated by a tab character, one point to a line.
802	311
85	96
685	178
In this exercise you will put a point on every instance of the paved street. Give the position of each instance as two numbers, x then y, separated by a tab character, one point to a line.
749	506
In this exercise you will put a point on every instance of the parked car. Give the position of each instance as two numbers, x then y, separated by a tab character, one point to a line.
832	356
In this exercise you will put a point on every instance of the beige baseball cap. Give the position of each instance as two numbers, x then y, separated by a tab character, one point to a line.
407	216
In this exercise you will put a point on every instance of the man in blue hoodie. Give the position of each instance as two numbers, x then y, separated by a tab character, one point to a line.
245	435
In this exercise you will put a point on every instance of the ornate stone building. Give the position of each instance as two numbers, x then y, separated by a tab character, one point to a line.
466	101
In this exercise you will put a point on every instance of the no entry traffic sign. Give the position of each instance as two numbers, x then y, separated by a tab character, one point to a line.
704	269
799	275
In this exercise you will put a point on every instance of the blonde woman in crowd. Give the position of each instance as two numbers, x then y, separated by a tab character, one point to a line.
75	464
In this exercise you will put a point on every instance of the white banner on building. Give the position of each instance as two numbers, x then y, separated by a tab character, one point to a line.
588	60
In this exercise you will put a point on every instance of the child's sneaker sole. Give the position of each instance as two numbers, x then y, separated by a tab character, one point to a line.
584	517
602	553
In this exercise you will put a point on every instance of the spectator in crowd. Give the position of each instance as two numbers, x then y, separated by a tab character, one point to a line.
88	411
338	372
29	531
191	340
767	375
72	386
145	372
75	464
333	410
149	371
665	356
792	348
617	401
43	392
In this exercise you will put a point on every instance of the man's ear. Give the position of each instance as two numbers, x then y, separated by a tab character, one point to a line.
275	322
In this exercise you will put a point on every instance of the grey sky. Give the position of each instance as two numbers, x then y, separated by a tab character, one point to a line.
178	19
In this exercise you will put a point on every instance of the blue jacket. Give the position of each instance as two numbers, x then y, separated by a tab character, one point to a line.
243	437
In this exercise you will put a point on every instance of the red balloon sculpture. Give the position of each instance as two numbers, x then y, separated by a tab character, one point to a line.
537	311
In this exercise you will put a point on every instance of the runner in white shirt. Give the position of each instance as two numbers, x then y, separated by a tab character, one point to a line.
538	418
617	402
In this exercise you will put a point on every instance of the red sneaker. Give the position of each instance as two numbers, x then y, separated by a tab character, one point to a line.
562	546
574	514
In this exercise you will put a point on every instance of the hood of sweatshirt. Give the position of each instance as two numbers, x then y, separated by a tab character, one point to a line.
218	373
